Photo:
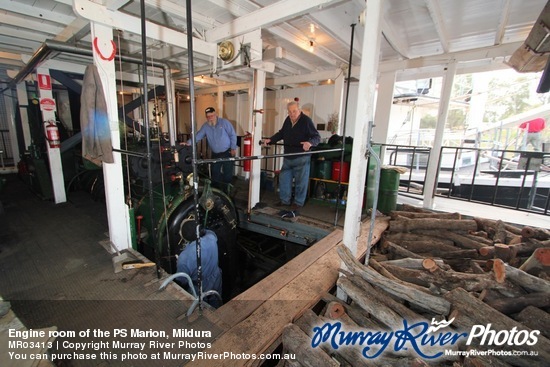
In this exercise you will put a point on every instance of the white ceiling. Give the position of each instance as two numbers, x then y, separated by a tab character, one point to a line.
417	34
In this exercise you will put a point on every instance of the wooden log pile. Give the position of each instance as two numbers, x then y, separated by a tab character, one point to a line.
489	280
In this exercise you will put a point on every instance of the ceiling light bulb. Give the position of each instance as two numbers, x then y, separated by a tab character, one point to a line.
312	28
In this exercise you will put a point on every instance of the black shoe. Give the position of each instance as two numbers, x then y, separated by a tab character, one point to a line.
290	216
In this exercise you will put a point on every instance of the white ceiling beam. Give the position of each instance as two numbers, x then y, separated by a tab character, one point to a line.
337	28
115	4
394	41
303	43
491	52
265	17
225	88
502	22
34	11
297	79
181	11
19	21
281	54
6	63
439	23
25	34
19	44
72	30
100	14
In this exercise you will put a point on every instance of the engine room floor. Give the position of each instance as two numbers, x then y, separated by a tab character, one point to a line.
55	273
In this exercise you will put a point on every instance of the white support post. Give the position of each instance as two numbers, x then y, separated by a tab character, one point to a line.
384	102
431	173
117	210
48	108
339	86
365	113
257	119
23	99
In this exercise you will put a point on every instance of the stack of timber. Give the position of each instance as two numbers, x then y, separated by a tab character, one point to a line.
477	274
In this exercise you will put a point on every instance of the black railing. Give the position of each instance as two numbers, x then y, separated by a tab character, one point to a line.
505	178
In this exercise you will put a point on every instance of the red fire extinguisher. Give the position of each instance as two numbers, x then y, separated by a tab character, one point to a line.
247	150
52	135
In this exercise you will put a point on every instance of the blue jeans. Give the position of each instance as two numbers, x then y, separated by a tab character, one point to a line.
297	169
222	172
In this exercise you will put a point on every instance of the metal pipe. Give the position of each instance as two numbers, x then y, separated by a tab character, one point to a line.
344	120
376	189
253	157
148	137
194	142
190	286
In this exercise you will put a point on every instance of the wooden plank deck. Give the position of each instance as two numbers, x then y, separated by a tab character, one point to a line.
254	320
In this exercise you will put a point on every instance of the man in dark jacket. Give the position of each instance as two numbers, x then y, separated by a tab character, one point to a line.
299	135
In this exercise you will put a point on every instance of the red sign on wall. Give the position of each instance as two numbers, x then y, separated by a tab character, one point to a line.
44	82
47	104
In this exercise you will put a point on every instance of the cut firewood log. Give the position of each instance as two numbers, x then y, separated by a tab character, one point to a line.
384	298
526	248
409	263
456	254
509	251
377	309
434	246
424	300
537	262
400	237
357	314
411	208
408	225
482	240
309	320
536	319
536	233
458	239
379	267
445	280
397	252
503	252
489	224
481	234
509	306
477	317
476	269
532	283
298	343
514	240
414	215
500	232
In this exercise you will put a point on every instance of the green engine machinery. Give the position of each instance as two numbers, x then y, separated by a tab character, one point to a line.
173	202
